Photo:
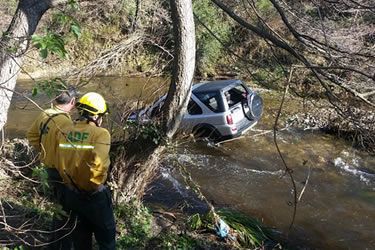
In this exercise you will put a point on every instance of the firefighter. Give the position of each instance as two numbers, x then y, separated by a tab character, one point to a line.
83	162
42	135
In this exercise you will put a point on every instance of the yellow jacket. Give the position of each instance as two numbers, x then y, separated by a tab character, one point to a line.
83	156
46	144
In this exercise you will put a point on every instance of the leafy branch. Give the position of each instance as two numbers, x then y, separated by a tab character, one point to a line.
50	87
52	41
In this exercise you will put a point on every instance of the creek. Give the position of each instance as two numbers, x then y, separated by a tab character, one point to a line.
336	211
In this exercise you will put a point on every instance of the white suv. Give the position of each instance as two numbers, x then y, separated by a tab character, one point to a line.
220	110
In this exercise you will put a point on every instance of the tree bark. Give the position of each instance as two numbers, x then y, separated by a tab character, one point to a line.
135	167
184	63
14	45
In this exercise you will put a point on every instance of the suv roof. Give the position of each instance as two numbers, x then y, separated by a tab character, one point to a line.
215	86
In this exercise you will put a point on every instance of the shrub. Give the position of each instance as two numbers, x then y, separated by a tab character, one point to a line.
208	48
134	222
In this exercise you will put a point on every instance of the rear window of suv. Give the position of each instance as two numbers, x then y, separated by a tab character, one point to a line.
212	101
235	95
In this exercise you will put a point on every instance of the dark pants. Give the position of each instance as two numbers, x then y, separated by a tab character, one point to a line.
95	215
56	184
61	225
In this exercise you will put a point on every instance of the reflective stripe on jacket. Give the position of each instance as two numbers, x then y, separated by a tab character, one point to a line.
43	137
83	156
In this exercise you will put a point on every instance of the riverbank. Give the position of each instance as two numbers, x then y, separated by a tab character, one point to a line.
356	125
27	211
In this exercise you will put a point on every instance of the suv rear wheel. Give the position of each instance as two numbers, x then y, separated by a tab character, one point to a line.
252	106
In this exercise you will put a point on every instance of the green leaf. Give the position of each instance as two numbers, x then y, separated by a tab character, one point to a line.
63	18
4	35
12	49
76	30
35	91
74	4
43	53
36	38
43	44
195	222
21	247
61	53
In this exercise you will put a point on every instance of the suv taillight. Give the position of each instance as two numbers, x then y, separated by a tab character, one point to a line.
229	119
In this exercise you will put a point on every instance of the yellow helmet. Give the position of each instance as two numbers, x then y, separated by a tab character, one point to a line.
93	103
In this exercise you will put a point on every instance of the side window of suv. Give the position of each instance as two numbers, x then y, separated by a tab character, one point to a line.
193	108
210	100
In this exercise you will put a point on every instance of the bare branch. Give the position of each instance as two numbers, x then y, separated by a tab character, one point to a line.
287	169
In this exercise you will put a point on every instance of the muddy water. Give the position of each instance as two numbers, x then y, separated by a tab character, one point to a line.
22	111
336	211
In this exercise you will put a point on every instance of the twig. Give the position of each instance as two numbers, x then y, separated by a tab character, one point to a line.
306	182
287	169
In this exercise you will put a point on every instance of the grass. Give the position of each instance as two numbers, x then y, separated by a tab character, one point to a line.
249	232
